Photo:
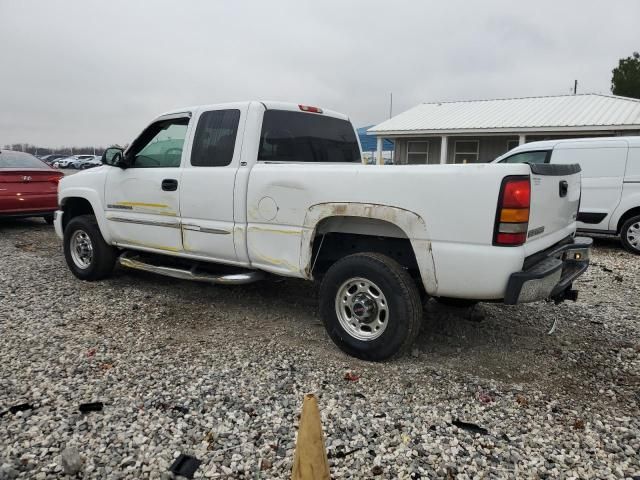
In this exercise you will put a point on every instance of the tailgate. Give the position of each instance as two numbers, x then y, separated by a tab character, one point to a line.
555	198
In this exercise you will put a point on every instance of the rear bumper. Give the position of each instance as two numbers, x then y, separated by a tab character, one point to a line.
551	276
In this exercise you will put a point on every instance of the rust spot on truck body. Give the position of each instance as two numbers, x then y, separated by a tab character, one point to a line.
413	226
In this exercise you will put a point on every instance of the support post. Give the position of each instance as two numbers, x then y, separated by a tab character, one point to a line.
379	160
444	143
522	139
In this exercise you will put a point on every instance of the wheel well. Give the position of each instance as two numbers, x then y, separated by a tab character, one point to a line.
627	215
73	207
329	247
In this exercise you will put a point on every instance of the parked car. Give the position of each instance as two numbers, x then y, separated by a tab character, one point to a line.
610	181
91	163
28	186
50	159
80	160
232	193
64	162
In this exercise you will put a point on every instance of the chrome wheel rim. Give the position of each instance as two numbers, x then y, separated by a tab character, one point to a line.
81	249
362	309
633	235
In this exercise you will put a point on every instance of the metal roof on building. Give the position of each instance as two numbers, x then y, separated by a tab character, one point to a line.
561	113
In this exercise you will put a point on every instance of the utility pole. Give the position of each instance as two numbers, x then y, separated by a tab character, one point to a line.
575	87
390	104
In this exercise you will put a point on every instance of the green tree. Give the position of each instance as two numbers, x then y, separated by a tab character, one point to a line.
626	77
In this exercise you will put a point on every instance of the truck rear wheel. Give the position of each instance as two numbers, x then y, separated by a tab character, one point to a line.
88	256
370	306
630	235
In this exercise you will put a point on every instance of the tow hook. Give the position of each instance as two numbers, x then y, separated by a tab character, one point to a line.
568	294
571	295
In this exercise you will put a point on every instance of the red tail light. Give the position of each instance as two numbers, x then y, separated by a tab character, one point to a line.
307	108
55	179
512	217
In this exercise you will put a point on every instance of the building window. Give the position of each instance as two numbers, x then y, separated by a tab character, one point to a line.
466	151
417	152
511	144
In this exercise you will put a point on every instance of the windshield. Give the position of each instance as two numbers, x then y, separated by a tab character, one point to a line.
527	157
9	159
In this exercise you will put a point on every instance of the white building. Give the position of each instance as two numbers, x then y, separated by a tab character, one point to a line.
480	130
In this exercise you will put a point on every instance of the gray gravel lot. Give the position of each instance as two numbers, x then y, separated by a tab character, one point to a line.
220	372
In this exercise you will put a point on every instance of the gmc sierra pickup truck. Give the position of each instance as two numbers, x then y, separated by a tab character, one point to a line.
233	193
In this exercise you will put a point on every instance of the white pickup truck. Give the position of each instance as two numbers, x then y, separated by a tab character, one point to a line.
233	193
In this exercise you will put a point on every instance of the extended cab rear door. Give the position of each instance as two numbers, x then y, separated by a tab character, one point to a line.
207	184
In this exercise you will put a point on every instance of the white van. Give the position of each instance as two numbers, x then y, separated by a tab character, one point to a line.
610	181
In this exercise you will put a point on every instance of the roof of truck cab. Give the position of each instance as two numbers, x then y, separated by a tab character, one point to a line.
268	104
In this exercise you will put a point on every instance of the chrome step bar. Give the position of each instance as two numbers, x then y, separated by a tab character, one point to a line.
130	261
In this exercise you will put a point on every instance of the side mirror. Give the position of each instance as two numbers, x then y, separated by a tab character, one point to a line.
113	156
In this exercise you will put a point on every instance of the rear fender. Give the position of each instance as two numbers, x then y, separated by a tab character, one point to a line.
413	226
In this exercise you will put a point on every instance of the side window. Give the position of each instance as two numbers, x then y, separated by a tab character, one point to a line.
527	157
215	138
466	151
160	145
417	152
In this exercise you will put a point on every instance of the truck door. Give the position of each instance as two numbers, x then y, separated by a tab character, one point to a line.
142	201
602	163
208	183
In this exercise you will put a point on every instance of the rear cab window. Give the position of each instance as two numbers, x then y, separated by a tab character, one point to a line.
289	136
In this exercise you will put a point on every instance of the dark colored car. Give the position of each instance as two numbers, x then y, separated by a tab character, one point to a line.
28	186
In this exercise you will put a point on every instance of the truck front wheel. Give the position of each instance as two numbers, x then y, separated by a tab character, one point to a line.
370	306
88	256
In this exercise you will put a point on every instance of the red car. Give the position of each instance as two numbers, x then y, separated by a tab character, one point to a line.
28	186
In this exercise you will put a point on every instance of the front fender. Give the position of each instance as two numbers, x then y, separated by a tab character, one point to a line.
94	199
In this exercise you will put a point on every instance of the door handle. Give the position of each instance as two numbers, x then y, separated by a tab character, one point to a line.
169	184
564	188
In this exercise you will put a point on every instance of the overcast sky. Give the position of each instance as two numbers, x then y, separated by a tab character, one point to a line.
95	72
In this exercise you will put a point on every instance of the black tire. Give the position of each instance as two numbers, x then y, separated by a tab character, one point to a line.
103	257
631	229
456	302
398	289
48	219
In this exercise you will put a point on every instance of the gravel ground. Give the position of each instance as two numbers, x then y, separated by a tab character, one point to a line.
220	373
